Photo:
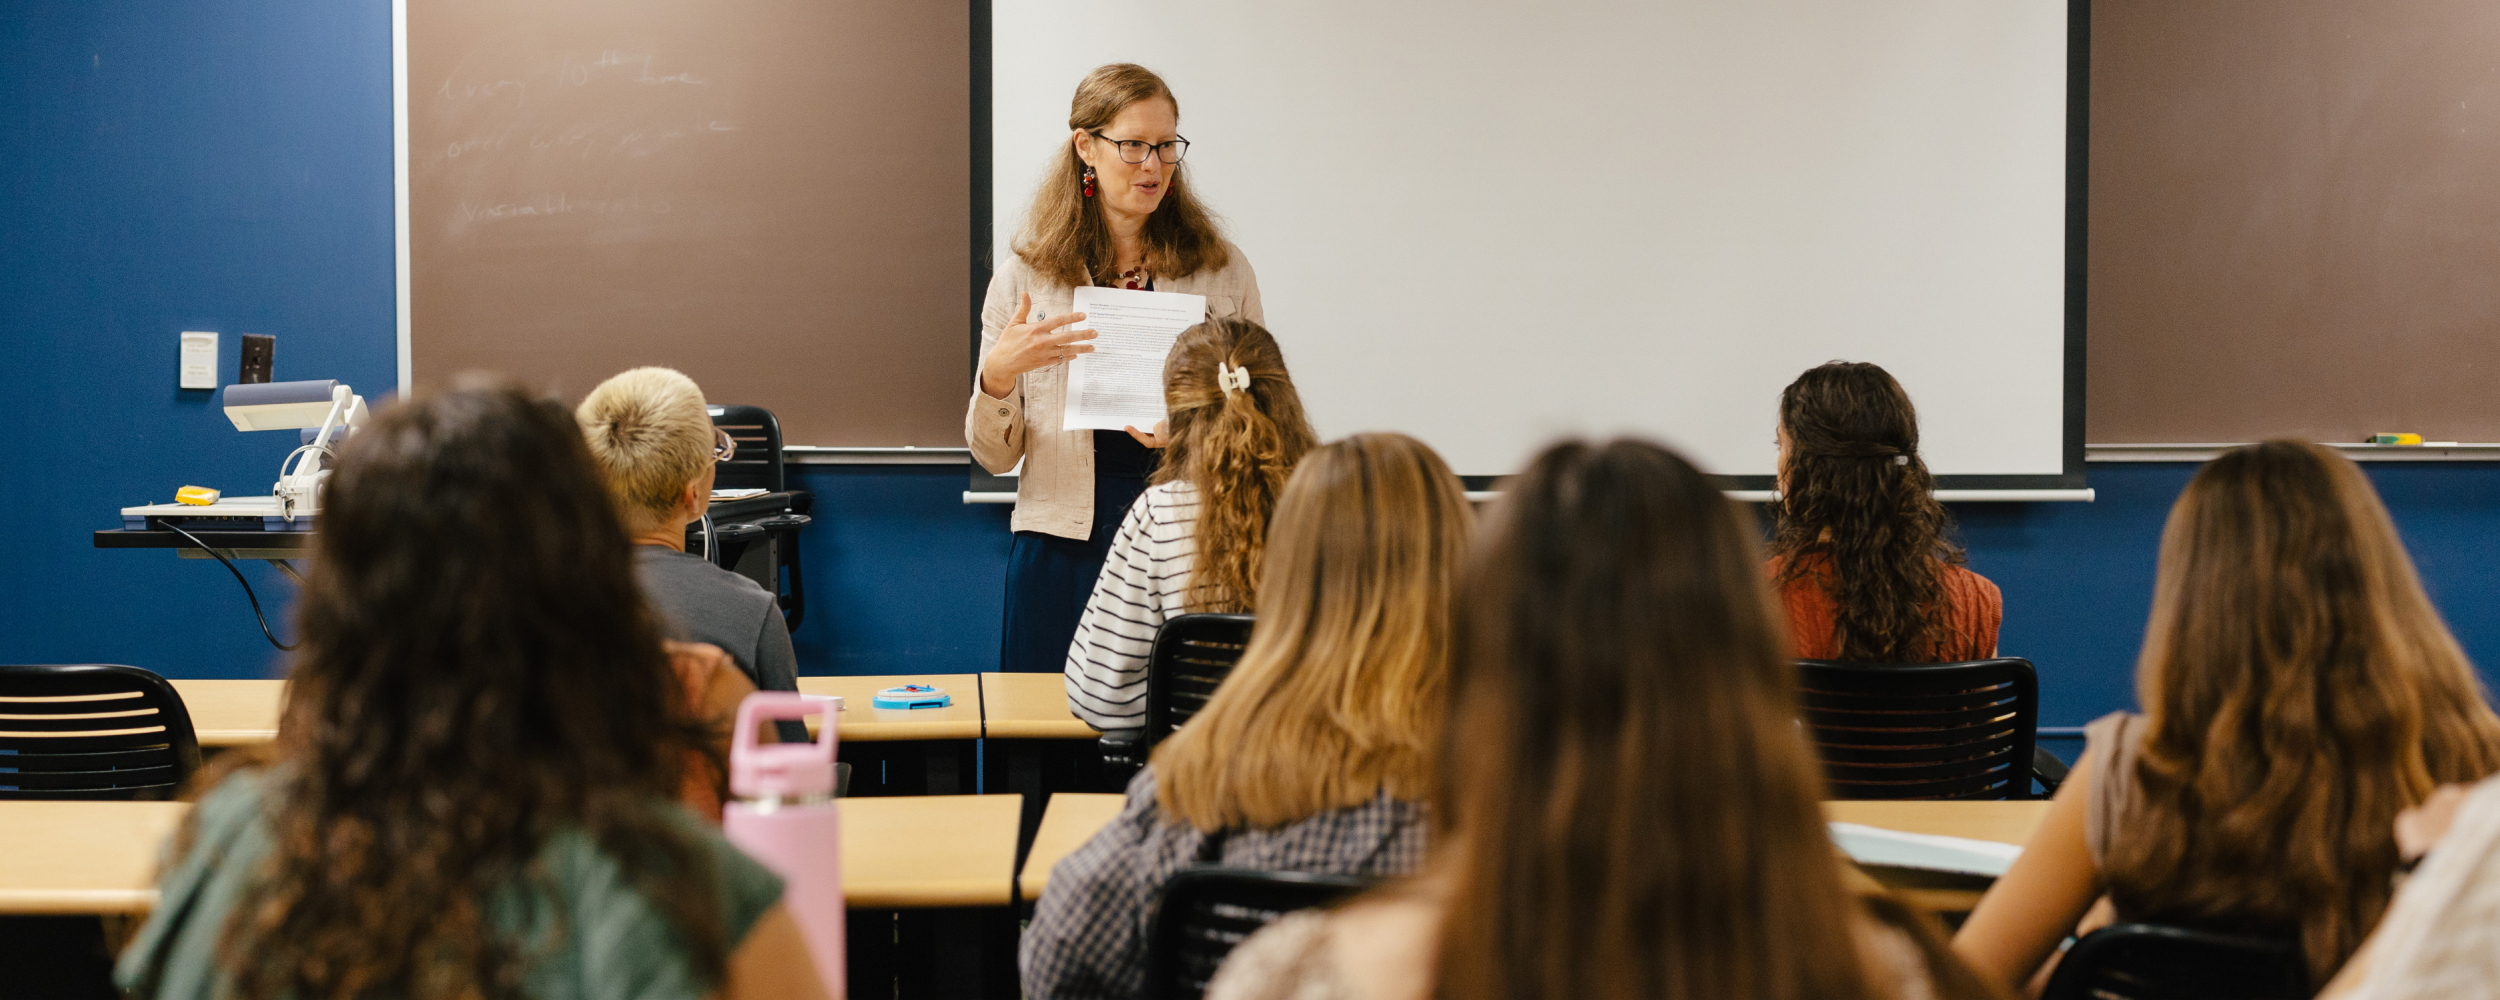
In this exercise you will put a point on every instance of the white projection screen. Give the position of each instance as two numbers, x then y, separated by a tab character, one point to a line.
1490	224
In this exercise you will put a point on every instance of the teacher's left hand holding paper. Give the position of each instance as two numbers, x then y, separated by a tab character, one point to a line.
1024	346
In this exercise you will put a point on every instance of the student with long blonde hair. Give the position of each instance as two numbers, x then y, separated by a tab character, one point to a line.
1626	809
1193	541
2299	690
1317	752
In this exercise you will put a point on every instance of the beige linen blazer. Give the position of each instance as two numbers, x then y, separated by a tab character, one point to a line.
1055	493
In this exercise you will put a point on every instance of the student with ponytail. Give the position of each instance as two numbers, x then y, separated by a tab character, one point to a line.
1860	552
1194	541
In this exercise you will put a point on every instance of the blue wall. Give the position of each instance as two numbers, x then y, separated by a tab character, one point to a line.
164	167
227	166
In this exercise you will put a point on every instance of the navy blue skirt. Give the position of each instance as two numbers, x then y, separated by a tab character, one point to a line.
1049	578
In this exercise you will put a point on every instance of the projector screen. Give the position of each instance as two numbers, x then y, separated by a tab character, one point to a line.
1488	225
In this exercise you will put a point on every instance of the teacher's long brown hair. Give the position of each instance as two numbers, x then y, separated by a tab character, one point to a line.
1631	808
2299	691
1065	238
478	673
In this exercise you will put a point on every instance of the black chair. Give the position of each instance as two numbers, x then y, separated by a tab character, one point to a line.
1928	731
1192	654
2159	962
1205	912
759	465
82	731
92	731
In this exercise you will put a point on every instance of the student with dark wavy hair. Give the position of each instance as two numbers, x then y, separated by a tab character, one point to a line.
1860	549
1625	807
470	793
2299	691
1196	539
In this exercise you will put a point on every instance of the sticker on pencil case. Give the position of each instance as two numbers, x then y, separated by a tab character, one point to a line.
913	696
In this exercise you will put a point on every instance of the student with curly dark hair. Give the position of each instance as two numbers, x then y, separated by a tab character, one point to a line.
1861	554
470	792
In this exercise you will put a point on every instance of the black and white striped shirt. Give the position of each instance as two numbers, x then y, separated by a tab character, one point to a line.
1144	580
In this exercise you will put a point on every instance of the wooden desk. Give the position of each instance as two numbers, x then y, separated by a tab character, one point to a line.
241	713
1072	819
914	852
82	857
2002	822
1029	706
929	851
233	713
863	722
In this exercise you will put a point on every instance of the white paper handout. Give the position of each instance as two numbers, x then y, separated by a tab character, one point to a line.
1869	845
1120	384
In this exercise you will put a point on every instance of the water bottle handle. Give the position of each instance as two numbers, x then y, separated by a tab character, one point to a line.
775	706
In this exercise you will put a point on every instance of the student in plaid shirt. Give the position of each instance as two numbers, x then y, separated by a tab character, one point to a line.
1317	753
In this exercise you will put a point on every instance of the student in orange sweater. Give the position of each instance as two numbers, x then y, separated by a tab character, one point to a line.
1860	555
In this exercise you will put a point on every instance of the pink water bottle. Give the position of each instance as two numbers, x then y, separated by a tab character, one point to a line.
782	814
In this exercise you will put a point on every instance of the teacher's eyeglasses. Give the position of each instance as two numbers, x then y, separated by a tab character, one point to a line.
724	447
1134	150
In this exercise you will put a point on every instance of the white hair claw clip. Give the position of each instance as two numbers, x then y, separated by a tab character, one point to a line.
1230	378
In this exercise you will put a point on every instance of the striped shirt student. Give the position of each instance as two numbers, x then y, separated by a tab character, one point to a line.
1145	581
1195	539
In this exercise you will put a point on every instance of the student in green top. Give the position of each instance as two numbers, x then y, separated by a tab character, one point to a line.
471	793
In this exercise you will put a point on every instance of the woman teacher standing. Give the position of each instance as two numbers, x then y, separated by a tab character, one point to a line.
1113	210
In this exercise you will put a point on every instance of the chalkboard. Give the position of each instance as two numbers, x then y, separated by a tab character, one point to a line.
2295	220
770	195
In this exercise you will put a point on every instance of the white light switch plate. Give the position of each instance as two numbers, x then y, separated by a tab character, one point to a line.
199	360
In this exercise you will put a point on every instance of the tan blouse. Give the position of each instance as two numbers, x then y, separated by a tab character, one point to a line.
2112	741
1055	493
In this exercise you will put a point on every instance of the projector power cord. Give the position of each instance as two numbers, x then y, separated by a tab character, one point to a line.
238	578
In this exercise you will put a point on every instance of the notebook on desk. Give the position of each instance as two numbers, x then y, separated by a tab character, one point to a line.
1870	845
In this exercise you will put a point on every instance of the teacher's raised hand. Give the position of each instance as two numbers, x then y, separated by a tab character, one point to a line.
1024	346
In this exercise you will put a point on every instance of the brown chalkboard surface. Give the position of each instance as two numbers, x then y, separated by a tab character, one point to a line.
2295	220
770	195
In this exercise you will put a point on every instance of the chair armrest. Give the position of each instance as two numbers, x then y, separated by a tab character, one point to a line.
2048	770
1123	753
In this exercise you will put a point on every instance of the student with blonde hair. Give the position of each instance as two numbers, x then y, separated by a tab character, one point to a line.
653	437
1317	752
2299	690
1626	809
1193	542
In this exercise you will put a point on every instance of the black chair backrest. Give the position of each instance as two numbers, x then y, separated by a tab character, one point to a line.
758	462
1924	731
92	731
1205	912
2160	962
1192	654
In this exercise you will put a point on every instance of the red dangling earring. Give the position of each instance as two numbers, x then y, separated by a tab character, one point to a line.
1089	182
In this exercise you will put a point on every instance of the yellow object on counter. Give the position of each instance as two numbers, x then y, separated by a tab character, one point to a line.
197	496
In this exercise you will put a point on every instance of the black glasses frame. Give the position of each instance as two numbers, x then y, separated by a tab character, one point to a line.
1170	151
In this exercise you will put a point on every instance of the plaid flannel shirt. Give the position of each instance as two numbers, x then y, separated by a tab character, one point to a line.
1087	940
